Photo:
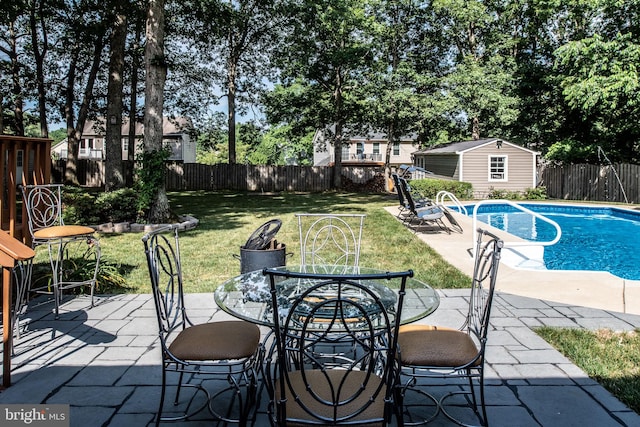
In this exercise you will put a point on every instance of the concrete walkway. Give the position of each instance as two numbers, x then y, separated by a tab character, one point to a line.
593	289
105	361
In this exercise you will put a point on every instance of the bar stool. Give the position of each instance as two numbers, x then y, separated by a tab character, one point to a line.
43	205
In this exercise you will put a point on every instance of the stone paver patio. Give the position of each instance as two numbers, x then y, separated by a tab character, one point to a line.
105	361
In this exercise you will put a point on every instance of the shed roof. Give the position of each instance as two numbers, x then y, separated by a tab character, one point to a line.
463	146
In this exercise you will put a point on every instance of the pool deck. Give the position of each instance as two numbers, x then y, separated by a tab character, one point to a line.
592	289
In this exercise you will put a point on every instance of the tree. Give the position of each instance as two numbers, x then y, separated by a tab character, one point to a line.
599	80
397	104
156	72
11	48
477	83
328	54
234	39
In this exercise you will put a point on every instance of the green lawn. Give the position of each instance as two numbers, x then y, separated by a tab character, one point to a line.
228	219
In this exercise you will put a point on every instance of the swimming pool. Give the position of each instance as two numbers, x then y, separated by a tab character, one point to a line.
593	238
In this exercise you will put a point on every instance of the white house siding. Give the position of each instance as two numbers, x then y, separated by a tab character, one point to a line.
520	168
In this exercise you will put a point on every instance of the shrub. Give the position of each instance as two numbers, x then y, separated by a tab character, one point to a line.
118	206
539	193
84	207
430	187
79	207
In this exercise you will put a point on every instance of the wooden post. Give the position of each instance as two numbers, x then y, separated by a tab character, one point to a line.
11	251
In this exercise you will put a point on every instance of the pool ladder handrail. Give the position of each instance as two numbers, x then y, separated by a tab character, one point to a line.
523	209
440	197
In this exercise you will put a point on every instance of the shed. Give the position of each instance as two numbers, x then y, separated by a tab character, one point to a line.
488	164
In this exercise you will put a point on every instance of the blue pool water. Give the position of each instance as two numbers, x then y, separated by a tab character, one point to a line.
593	238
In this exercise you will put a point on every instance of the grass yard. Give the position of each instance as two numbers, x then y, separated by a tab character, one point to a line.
228	219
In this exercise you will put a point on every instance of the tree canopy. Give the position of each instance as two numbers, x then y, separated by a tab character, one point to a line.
557	77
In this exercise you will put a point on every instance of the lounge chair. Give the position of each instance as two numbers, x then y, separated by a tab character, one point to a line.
422	213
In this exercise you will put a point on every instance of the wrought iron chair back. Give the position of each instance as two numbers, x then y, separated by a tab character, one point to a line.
335	350
330	239
163	258
43	205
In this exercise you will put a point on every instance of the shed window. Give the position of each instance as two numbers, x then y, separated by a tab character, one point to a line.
497	168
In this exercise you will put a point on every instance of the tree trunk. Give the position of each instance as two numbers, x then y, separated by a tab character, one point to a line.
17	87
114	177
156	72
231	123
231	101
133	108
475	128
337	155
38	56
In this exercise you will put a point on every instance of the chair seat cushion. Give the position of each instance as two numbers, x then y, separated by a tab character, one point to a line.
322	385
58	231
232	339
435	346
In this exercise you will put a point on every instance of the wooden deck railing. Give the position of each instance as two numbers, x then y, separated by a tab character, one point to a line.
24	161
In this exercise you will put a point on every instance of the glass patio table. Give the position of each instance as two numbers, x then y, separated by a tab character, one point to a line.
247	296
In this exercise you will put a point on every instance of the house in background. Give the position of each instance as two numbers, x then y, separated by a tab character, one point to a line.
175	135
485	163
369	150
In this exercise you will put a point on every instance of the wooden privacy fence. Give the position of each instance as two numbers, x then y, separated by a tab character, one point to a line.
593	182
570	182
264	178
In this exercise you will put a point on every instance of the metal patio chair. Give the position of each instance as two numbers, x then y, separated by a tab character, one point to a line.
73	249
226	351
334	355
330	239
435	357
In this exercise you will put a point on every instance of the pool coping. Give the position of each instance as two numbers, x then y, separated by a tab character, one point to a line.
595	289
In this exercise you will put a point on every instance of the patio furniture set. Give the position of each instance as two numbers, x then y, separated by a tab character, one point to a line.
340	346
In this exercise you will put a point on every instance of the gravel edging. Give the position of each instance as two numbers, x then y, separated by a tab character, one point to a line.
186	222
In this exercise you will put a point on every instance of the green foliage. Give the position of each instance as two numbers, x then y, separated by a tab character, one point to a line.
568	151
150	177
118	206
498	193
57	135
430	187
85	207
79	207
539	193
79	267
